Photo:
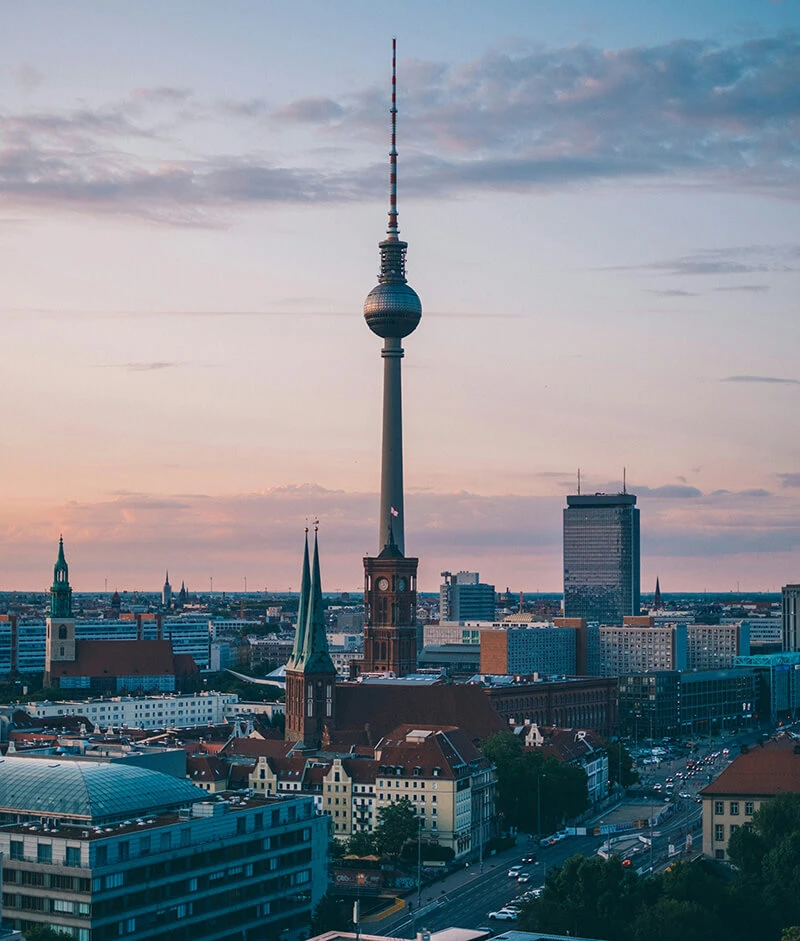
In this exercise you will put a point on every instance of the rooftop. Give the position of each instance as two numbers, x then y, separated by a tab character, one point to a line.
89	791
761	772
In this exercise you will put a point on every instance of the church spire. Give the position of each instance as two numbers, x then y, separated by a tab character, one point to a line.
302	613
316	656
61	593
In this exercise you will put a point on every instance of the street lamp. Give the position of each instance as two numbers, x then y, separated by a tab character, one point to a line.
539	777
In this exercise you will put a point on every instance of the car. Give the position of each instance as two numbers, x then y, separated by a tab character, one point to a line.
524	877
548	841
514	871
503	914
529	859
626	862
684	794
656	787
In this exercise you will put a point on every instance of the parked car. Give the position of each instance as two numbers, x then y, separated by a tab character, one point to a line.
504	914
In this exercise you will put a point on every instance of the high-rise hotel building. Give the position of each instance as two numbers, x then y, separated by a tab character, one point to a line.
601	557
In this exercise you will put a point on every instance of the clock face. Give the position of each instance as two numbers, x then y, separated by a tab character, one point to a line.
401	584
383	584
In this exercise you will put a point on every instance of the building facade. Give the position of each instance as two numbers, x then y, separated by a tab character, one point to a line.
144	712
463	597
99	851
601	557
790	617
753	778
522	651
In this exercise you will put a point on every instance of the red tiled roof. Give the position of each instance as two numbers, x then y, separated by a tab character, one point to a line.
118	658
761	772
365	713
256	747
205	768
445	748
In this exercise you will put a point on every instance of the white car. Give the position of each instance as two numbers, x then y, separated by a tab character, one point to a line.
514	871
504	914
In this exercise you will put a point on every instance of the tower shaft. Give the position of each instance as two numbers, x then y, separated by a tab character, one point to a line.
392	518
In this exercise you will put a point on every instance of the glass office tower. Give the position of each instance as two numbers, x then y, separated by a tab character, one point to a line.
601	557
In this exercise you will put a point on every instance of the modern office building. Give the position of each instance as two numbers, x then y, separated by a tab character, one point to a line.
779	685
670	702
601	557
716	646
522	651
99	851
463	597
790	617
634	648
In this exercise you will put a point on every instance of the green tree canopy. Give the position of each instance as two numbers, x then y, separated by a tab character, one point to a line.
397	822
531	786
361	844
620	765
330	914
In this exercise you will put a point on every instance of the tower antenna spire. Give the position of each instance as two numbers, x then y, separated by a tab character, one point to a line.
392	230
579	481
624	479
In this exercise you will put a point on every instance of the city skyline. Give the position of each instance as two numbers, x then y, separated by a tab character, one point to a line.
602	209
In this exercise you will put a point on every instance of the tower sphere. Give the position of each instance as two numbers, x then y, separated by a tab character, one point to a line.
392	309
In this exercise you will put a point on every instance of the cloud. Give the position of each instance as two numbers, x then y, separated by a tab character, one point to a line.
769	380
673	292
702	113
746	288
27	77
311	110
789	480
749	259
669	492
147	367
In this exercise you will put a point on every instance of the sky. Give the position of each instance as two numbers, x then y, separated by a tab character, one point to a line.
601	204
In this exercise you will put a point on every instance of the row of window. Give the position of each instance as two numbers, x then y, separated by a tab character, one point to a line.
733	808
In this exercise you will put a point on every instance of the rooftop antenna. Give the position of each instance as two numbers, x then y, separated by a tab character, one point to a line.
579	481
392	231
624	480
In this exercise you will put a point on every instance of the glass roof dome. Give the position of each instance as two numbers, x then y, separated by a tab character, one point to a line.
95	792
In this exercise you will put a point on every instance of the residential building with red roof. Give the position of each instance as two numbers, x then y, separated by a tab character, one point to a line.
756	776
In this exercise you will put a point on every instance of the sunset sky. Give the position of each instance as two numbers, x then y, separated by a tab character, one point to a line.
601	204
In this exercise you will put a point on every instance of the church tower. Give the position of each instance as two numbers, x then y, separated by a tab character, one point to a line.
392	311
60	636
166	593
310	673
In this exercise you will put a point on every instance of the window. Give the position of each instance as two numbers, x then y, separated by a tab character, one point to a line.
44	853
144	845
124	849
17	849
73	856
241	825
719	854
734	828
748	808
719	807
719	832
734	808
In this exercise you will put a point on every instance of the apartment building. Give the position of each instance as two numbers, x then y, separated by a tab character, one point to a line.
437	768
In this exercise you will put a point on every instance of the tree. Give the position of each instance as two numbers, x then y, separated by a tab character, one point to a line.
620	765
361	844
397	822
531	786
43	933
331	914
589	898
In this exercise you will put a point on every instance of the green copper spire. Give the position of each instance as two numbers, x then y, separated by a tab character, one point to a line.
316	657
296	658
61	593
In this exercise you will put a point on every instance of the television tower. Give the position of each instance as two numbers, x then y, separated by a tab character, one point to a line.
392	311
